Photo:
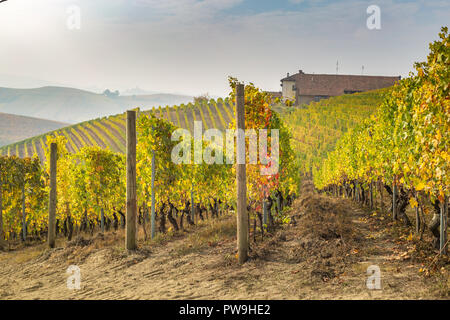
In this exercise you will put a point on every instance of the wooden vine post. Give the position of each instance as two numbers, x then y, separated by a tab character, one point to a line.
265	212
380	187
192	207
102	220
131	238
443	227
417	215
52	196
242	214
394	200
24	214
153	219
1	212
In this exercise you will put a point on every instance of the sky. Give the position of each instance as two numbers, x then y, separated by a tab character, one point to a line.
192	46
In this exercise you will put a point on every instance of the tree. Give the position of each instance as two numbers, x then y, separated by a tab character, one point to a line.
110	94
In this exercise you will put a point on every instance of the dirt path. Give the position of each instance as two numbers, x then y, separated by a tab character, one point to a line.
324	254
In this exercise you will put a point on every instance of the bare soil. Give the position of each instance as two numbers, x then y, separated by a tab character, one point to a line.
323	253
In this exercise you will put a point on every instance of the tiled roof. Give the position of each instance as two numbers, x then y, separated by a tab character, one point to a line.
289	78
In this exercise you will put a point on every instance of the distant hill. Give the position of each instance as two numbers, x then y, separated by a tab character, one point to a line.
109	132
15	128
75	105
136	91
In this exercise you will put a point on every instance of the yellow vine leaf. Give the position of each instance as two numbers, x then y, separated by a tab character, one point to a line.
413	202
420	186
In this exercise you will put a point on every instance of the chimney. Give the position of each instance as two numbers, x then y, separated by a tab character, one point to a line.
300	71
288	74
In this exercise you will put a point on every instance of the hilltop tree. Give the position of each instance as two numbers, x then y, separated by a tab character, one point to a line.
111	94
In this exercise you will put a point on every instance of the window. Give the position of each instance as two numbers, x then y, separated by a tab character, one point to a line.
317	98
351	91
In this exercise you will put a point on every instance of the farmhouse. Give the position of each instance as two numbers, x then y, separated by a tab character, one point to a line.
304	88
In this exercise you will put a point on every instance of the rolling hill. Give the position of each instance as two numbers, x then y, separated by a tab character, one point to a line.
317	127
15	128
73	105
109	132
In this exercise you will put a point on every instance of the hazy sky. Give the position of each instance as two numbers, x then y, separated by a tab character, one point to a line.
191	46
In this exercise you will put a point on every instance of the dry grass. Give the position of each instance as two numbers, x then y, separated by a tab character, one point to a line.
212	234
22	253
22	256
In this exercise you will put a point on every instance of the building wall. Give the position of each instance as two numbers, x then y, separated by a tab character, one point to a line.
306	99
287	90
